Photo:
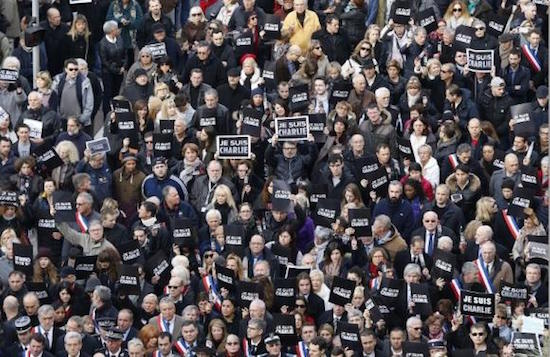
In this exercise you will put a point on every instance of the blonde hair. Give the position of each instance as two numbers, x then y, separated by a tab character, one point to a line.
45	76
72	32
239	274
228	196
71	148
167	104
484	209
471	228
154	106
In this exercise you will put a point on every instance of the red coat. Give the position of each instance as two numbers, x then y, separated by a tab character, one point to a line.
426	187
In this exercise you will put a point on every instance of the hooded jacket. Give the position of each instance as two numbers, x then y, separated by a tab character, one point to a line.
466	197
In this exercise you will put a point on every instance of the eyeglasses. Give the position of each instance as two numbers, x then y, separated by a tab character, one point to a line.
365	48
196	14
444	71
73	69
253	17
480	28
417	328
212	28
148	142
430	221
173	287
502	317
301	306
457	9
231	343
476	334
209	255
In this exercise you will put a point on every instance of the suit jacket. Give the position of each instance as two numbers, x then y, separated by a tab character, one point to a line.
178	322
502	271
521	78
58	335
445	231
131	334
403	258
328	318
82	354
315	306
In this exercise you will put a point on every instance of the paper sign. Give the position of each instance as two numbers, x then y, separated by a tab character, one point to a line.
252	122
8	75
129	280
341	291
84	266
477	304
298	99
235	147
22	259
359	220
97	146
35	127
532	324
480	60
158	50
292	128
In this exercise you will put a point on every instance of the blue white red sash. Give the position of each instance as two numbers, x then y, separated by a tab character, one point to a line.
301	349
484	276
531	58
210	288
511	224
161	325
374	284
453	160
456	287
246	348
156	354
27	353
82	222
183	348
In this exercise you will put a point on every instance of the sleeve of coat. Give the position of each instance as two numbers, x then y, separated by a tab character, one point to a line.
71	235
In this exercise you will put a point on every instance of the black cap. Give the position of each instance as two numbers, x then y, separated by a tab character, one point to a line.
542	92
234	72
23	324
114	334
158	28
66	271
369	63
160	160
106	323
140	72
508	183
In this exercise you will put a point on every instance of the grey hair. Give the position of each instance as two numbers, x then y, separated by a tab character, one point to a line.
444	241
109	26
545	160
71	335
211	92
145	51
81	62
318	273
354	312
213	213
45	309
383	220
323	233
469	267
261	324
258	303
86	196
412	319
77	320
103	292
419	30
381	91
11	62
167	300
411	268
36	94
135	342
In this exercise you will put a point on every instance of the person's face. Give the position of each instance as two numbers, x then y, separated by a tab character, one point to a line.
253	331
71	70
136	351
412	278
167	311
399	30
214	172
304	287
409	191
64	296
160	170
189	333
488	153
113	345
435	327
357	300
396	340
141	236
284	91
164	345
289	150
477	335
359	85
16	283
333	26
368	343
315	350
394	193
196	79
96	233
418	127
498	91
149	305
43	262
532	275
383	155
202	53
320	87
511	165
232	344
24	337
279	216
335	256
46	320
54	18
519	144
299	6
124	321
221	197
430	222
461	176
488	253
285	239
34	104
210	101
369	72
227	308
72	127
217	39
474	128
534	39
40	83
480	31
441	196
73	346
336	168
415	330
154	7
36	348
513	59
374	115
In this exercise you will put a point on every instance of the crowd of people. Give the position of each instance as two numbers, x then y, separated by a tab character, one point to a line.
422	179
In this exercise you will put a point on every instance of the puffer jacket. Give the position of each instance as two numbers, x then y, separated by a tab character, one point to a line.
468	195
497	111
378	134
290	170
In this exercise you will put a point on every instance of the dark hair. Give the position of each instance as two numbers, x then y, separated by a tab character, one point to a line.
331	17
448	128
415	166
165	334
463	168
455	90
69	61
317	341
334	158
417	188
150	207
21	125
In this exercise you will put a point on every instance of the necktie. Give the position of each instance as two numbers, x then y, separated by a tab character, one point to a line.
487	267
416	260
431	246
167	324
47	340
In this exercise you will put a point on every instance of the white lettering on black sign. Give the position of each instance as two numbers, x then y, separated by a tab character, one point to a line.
22	261
128	280
327	213
159	269
345	293
133	254
204	122
284	292
480	60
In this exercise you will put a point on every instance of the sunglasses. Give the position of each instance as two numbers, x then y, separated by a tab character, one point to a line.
253	17
212	28
148	142
502	317
173	287
231	343
458	9
476	334
301	306
442	71
417	328
480	28
197	14
209	255
365	48
317	48
73	69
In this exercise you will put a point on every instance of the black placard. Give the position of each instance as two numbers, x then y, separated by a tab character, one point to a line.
233	147
498	159
405	148
8	75
365	167
249	291
158	50
225	278
272	27
401	12
443	263
298	99
162	145
284	292
183	231
463	37
84	266
9	198
389	290
292	271
157	265
235	238
317	124
252	122
127	128
415	349
46	157
359	220
41	291
529	177
540	313
374	312
98	146
22	259
349	336
281	196
537	249
522	198
420	295
511	292
244	44
64	206
481	61
285	328
427	19
326	212
340	92
129	251
527	344
121	106
341	292
268	75
283	256
166	126
496	24
477	304
208	118
379	182
129	280
524	124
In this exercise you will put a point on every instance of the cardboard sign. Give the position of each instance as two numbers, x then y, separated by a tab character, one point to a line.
341	292
244	45
8	75
537	248
46	157
379	182
463	37
298	99
522	198
349	335
326	212
64	206
340	92
415	349
40	290
127	128
98	146
359	220
443	263
236	147
272	27
420	295
526	343
166	126
529	177
317	192
225	277
269	76
248	291
121	106
365	167
208	117
235	238
84	266
427	19
496	24
158	50
524	124
283	255
9	198
389	290
183	231
252	122
317	123
35	128
405	148
285	328
541	313
372	307
401	12
480	60
510	292
22	259
498	159
157	265
284	292
129	280
532	324
292	271
477	304
129	251
162	145
281	196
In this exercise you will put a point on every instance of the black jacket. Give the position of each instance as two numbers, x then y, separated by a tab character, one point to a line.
144	33
496	110
336	46
232	98
213	72
521	79
238	20
53	39
113	56
51	125
135	92
224	125
225	53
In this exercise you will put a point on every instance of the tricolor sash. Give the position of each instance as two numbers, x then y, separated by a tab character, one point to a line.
456	287
531	58
246	348
156	353
484	276
210	287
161	325
374	284
511	224
183	348
301	349
82	222
453	160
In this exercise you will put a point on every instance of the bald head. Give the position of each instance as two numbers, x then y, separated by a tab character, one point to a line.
483	234
54	17
511	163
